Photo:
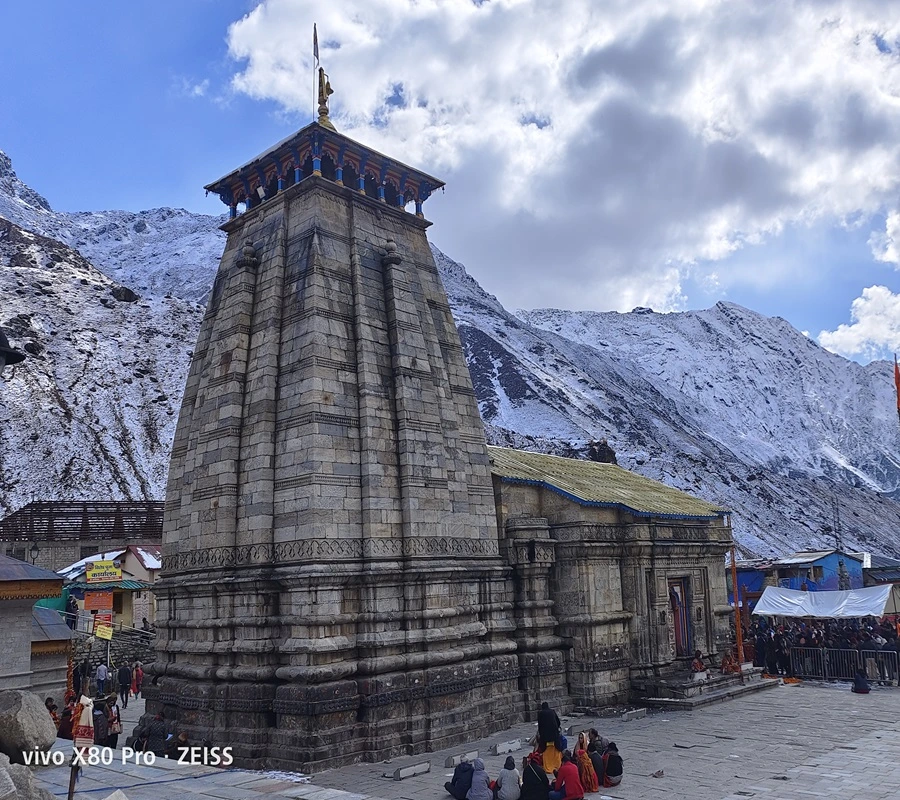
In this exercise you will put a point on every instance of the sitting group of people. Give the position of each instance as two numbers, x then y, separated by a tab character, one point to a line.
550	772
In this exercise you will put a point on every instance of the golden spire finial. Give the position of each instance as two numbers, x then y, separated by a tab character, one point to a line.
324	91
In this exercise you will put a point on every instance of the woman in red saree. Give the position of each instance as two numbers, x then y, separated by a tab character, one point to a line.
586	771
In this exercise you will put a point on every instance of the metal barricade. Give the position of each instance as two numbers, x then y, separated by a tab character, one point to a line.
814	663
841	665
808	662
885	664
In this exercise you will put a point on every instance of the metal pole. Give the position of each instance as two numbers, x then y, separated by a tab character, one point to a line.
73	776
738	631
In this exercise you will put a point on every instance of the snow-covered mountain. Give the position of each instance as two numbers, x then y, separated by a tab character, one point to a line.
91	412
725	403
161	251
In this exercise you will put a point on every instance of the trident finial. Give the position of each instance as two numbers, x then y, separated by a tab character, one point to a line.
324	91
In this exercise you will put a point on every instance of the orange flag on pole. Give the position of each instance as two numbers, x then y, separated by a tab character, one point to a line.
897	382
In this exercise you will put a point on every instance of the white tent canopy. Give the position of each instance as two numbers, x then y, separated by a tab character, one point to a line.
875	601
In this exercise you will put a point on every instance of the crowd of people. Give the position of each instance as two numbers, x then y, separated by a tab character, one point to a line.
129	679
773	643
151	735
106	718
551	771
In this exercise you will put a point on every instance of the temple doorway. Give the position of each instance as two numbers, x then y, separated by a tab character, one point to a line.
679	601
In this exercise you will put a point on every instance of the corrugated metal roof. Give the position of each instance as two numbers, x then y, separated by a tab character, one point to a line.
11	569
803	557
884	562
47	625
606	485
808	557
887	575
123	584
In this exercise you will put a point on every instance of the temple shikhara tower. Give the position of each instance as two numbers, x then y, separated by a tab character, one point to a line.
350	573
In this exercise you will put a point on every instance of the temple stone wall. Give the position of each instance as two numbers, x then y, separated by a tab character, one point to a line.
15	655
608	585
344	578
334	589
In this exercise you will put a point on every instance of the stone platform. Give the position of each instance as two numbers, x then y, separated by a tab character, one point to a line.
804	741
681	692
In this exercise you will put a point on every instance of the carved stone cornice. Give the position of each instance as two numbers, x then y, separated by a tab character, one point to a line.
329	550
30	590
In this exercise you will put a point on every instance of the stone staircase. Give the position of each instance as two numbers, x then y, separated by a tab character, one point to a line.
678	691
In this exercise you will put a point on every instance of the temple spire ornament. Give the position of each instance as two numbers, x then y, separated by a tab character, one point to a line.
325	91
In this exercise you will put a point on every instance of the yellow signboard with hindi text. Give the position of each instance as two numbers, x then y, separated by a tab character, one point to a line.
103	632
103	571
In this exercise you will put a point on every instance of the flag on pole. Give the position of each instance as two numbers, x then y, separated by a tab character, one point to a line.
897	382
315	44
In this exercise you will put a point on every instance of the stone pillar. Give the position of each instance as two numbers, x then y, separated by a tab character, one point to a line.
530	551
588	595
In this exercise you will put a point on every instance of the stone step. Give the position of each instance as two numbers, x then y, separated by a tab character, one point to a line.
712	695
682	686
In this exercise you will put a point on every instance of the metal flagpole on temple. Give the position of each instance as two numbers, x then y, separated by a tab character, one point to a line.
315	67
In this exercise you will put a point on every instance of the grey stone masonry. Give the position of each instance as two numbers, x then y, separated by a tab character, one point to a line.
333	588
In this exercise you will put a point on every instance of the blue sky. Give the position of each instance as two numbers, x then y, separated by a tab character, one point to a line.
670	172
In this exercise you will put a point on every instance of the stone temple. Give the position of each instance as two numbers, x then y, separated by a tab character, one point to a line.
350	573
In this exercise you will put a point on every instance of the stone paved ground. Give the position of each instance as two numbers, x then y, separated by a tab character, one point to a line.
790	743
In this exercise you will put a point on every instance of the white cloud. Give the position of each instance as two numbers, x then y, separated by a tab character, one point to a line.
606	147
875	328
886	246
186	87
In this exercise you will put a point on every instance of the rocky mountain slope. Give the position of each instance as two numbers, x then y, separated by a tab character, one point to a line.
161	251
91	412
725	403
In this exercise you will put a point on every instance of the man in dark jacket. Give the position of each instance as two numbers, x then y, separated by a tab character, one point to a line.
548	725
124	678
459	785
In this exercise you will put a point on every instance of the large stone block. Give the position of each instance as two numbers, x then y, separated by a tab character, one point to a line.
24	724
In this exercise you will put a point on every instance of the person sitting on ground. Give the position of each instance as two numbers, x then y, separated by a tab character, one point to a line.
508	785
481	783
548	725
698	668
612	766
860	684
567	785
179	747
154	735
730	664
65	725
458	786
535	783
596	742
551	758
581	743
586	771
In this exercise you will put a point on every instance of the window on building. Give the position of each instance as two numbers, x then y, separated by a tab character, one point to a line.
118	602
818	574
86	551
16	552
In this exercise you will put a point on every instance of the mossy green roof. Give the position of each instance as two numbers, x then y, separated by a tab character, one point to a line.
605	485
